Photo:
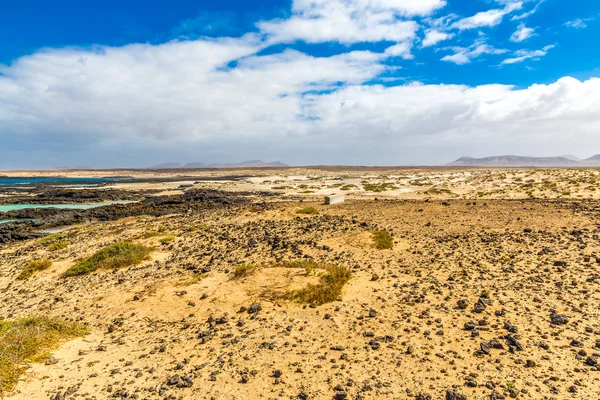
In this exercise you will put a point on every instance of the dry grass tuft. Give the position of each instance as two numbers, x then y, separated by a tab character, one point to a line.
33	267
309	266
58	246
307	211
118	255
383	240
167	239
243	270
27	340
52	238
329	289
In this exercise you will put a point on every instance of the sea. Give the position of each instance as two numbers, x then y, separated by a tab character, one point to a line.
15	181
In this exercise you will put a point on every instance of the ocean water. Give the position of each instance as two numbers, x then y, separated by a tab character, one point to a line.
6	221
79	206
6	181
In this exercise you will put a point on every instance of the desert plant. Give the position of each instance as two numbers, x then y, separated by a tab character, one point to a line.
167	239
379	187
243	270
34	266
58	246
383	240
51	238
27	340
327	290
309	266
118	255
307	211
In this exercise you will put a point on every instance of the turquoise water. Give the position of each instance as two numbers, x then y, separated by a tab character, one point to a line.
33	180
80	185
56	230
6	221
80	206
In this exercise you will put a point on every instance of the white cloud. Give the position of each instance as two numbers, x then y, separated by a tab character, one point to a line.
175	90
528	13
464	55
522	33
434	36
522	55
349	21
491	114
182	95
203	94
487	18
578	23
400	50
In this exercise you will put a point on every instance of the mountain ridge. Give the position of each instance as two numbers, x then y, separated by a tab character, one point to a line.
199	165
526	161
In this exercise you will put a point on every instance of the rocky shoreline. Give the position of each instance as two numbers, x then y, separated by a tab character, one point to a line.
36	219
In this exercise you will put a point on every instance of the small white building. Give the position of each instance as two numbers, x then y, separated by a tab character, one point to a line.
334	199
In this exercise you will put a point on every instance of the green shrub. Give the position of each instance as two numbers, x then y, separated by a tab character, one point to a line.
379	187
27	340
243	270
327	290
33	267
308	211
383	240
58	246
309	266
118	255
51	238
167	239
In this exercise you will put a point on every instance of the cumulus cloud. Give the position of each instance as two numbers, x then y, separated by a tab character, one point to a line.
190	92
349	21
400	50
238	98
175	90
487	18
496	115
522	55
522	33
434	36
464	55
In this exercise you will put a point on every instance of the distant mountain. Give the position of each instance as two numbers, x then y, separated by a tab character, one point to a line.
245	164
571	157
195	165
519	161
594	158
66	167
168	166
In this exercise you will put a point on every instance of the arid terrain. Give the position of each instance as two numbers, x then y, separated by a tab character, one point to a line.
490	290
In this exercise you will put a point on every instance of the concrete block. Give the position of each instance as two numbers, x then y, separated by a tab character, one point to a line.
334	199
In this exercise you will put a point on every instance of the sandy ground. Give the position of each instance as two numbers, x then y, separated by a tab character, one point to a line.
159	331
406	183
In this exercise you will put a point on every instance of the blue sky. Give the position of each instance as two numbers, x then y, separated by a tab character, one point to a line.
386	82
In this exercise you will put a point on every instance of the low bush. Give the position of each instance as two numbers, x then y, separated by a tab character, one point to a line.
309	266
307	211
327	290
243	270
58	246
33	267
118	255
383	240
167	239
27	340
